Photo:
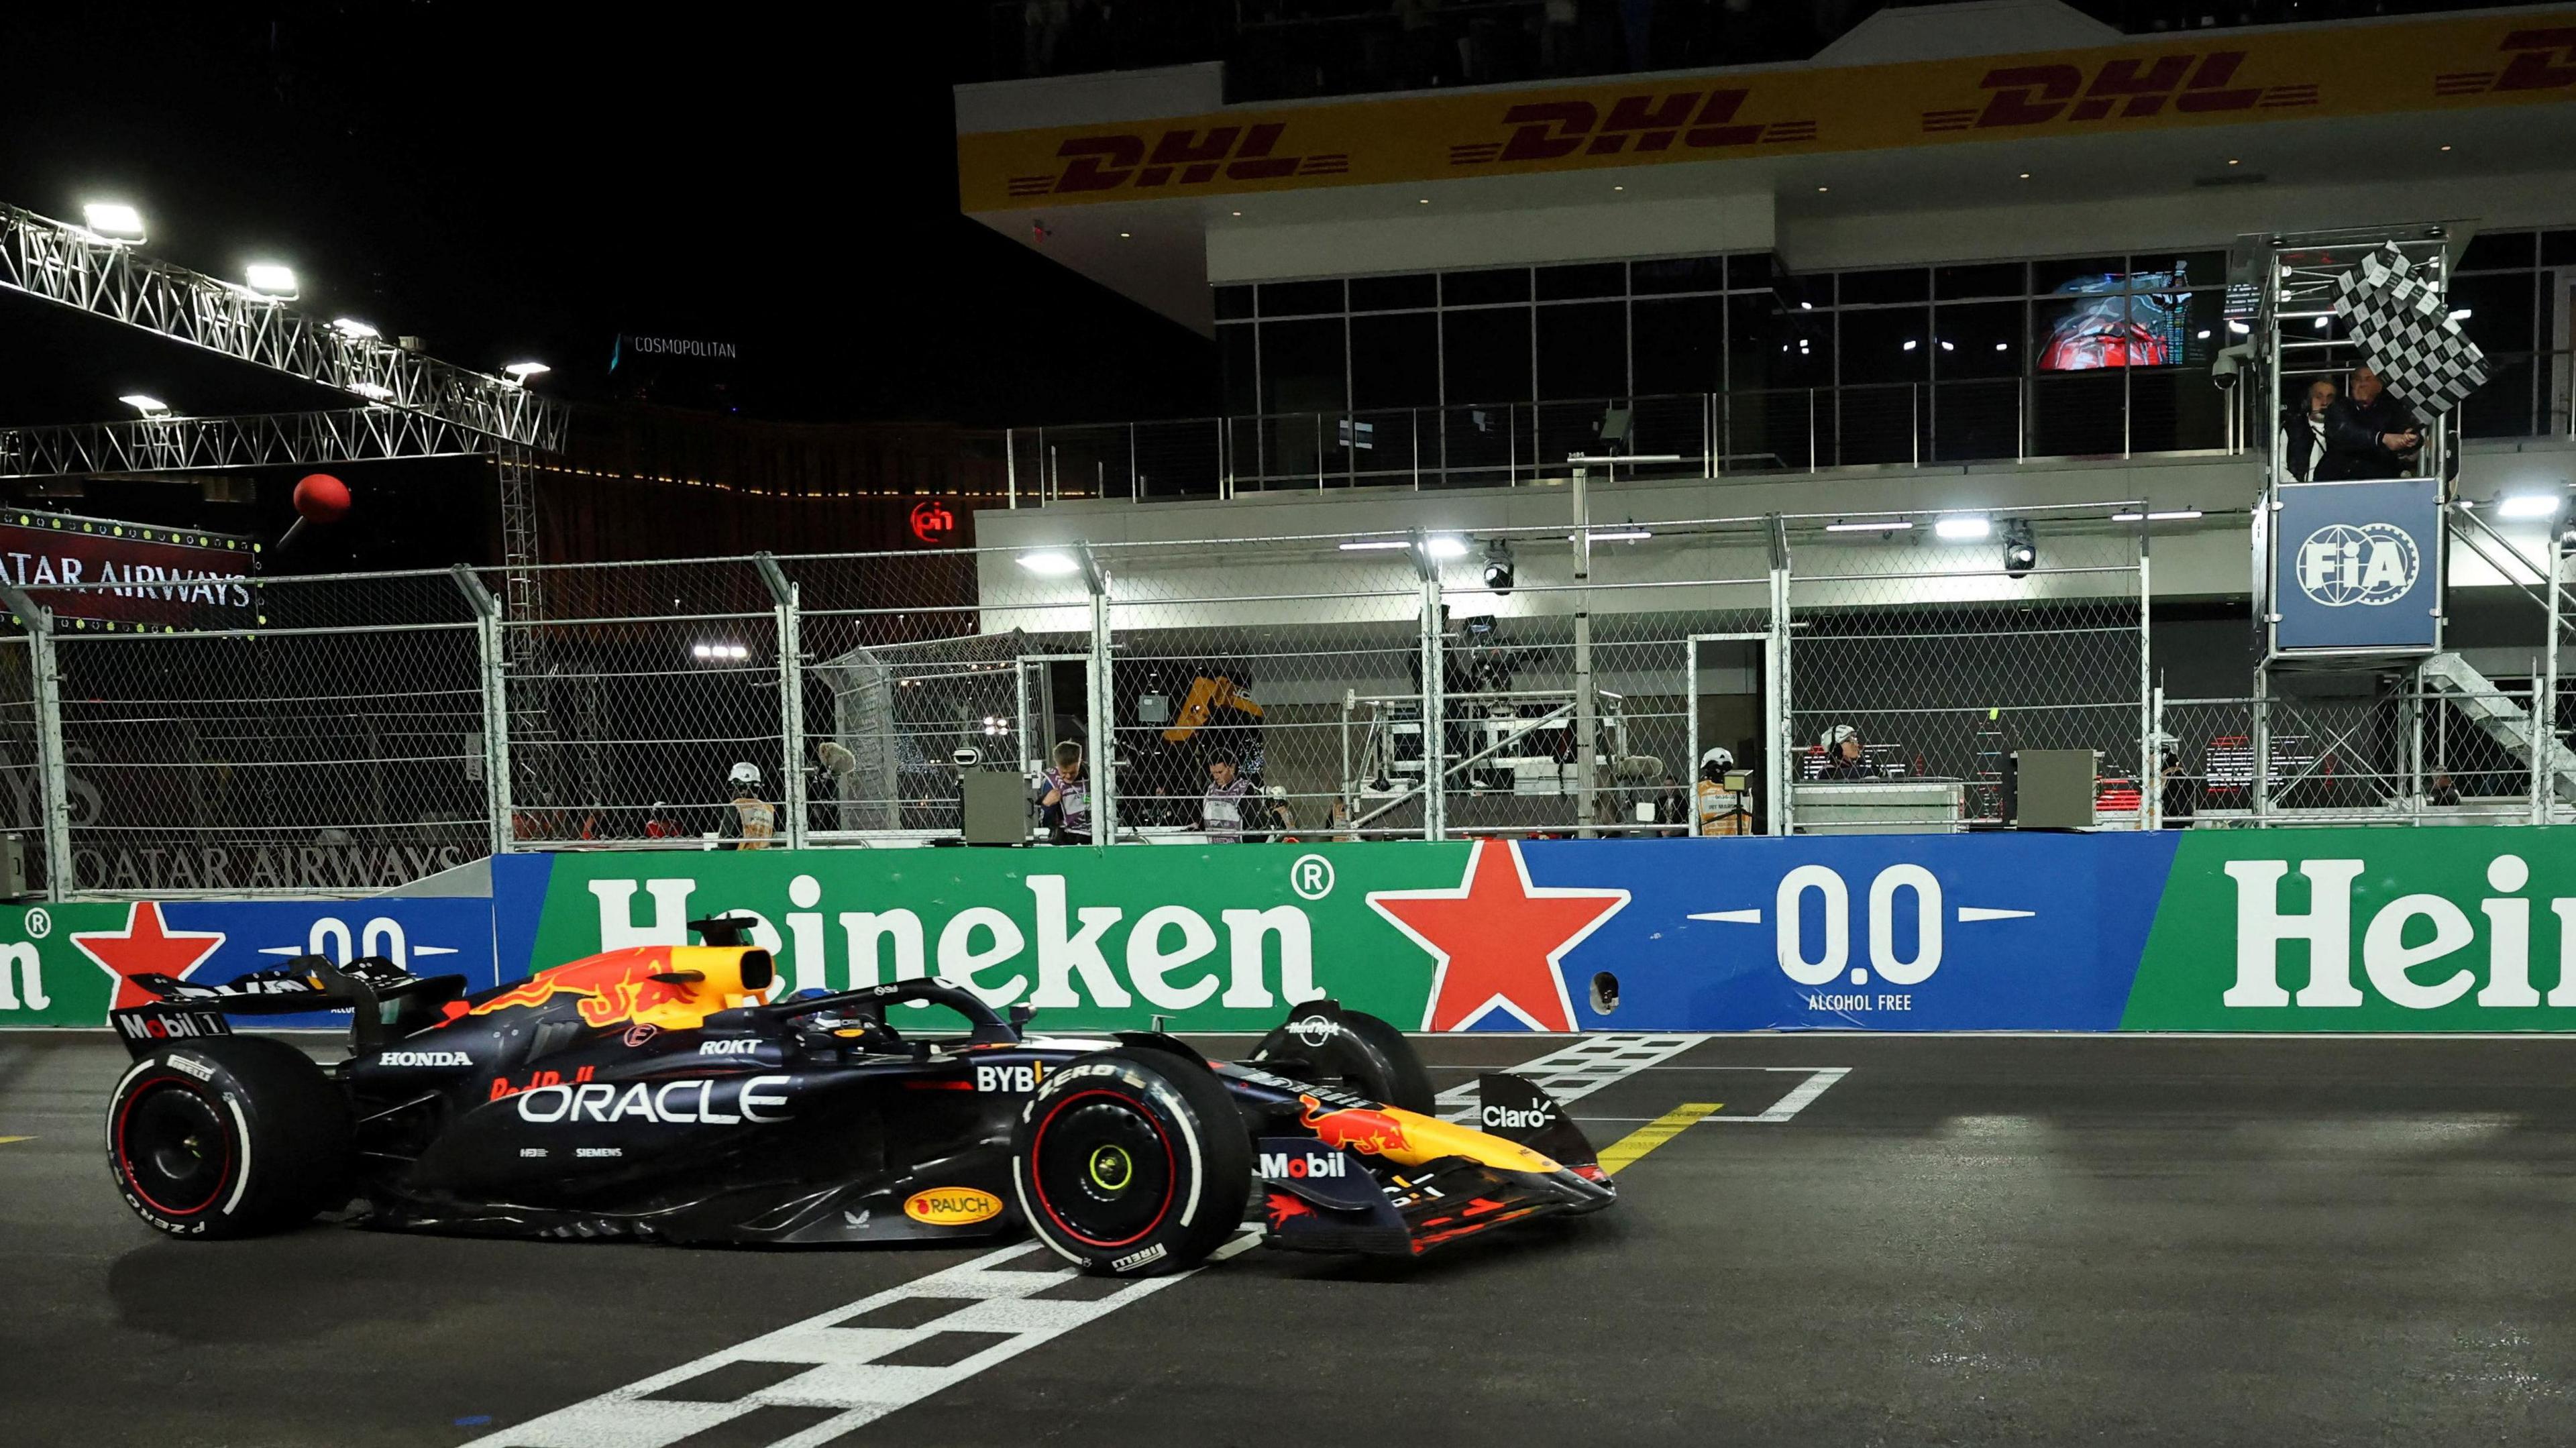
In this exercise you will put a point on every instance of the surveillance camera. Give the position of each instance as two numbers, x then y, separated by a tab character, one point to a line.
965	756
2224	367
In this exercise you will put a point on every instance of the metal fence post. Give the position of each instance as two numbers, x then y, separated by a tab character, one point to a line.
53	796
2544	709
2150	764
1435	707
786	599
1784	774
492	652
1101	703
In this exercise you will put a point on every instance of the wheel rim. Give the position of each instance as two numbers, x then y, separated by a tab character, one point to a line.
1103	1169
173	1149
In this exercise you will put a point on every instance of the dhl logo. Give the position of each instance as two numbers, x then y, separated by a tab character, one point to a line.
613	989
2129	87
1692	119
2542	60
1183	156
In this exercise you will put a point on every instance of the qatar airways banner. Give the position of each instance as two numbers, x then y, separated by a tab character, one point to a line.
2358	930
153	576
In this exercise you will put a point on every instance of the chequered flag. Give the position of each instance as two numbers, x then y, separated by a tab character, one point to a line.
2406	333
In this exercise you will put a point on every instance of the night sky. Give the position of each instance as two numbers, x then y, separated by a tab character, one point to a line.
521	180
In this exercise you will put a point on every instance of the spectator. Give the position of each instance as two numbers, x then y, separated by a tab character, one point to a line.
2305	430
658	824
2369	434
1065	808
749	823
2179	798
1845	758
2443	793
1221	808
1722	811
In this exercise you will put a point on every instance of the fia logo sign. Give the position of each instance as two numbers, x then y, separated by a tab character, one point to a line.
2371	564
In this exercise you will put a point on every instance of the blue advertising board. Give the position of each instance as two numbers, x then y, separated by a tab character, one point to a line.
1879	932
425	935
2357	565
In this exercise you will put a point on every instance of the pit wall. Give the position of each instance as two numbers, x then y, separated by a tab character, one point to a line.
2460	929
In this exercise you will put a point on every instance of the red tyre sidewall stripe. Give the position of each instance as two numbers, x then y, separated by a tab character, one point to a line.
1037	1188
125	1158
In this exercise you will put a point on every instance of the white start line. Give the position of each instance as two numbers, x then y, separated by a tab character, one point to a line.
843	1369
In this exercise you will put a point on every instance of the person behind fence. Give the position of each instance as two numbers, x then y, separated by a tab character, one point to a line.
1221	809
1722	811
749	823
658	824
2303	430
2442	794
1065	808
1845	758
2370	434
2178	798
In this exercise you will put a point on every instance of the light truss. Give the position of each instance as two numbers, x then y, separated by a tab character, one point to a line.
208	444
67	264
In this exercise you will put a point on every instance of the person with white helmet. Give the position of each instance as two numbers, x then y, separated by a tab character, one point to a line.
1845	758
1722	811
749	822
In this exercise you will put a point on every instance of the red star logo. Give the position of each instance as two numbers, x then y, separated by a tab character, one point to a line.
146	947
1498	939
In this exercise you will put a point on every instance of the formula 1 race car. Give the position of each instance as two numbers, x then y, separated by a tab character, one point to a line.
656	1092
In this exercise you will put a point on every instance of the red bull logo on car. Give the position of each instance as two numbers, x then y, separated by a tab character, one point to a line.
1359	1128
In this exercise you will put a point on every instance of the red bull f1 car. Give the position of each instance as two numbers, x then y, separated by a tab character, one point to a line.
659	1092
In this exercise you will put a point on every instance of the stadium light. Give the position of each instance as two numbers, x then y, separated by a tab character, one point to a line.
719	653
1964	529
149	406
1445	545
520	372
355	330
2528	505
113	221
372	391
1050	564
271	280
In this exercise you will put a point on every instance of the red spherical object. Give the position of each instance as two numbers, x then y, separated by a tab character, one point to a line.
321	498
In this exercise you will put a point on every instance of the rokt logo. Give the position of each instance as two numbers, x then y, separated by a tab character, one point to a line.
1184	156
1694	120
2133	87
2371	564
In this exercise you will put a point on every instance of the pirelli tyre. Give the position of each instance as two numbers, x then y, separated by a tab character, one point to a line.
232	1137
1359	1048
1131	1162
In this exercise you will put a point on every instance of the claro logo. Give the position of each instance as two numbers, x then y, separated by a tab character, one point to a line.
2394	965
2129	87
1183	156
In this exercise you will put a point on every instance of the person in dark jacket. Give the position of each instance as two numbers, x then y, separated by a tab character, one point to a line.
2370	434
2304	430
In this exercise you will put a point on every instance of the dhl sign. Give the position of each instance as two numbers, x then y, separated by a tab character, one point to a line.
2317	71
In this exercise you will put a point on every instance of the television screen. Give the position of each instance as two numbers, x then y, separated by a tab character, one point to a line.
2121	319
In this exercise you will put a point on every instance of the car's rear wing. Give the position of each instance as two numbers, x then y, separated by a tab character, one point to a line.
377	993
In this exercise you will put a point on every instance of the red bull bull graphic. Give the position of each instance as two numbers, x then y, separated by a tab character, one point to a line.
647	987
1359	1128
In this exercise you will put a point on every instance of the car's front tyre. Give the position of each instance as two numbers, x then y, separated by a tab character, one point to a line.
1132	1162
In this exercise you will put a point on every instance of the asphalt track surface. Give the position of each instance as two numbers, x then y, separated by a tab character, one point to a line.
1960	1241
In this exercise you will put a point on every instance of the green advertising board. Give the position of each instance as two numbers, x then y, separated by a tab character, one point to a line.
1211	939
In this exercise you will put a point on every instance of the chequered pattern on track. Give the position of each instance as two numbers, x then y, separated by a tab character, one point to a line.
1579	1069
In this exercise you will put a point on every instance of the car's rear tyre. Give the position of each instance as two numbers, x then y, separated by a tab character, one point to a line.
231	1137
1359	1048
1132	1162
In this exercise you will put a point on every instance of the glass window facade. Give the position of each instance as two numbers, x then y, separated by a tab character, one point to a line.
2073	356
2517	288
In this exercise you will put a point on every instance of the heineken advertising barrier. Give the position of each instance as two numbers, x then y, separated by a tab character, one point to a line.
2287	930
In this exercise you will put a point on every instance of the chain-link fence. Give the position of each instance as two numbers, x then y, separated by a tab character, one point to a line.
1713	676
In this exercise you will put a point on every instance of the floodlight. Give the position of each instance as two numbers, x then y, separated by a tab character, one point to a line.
1372	545
147	405
2528	505
1881	525
355	330
1445	545
525	370
2021	552
114	221
372	391
1963	529
1050	564
270	280
1498	566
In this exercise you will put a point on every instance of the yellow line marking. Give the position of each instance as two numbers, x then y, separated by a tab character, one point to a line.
1654	1134
5	1140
